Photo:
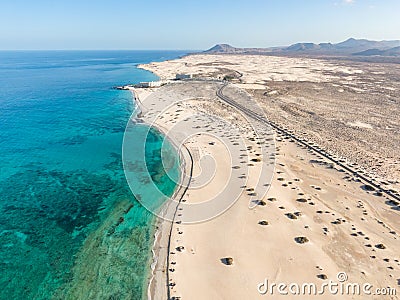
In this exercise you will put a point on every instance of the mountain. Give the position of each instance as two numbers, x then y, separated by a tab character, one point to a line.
326	45
369	52
377	52
228	49
303	46
309	46
392	51
222	48
348	47
366	44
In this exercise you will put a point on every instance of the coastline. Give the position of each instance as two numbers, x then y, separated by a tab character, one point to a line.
157	282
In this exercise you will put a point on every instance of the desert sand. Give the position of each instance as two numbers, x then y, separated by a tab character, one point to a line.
349	108
273	209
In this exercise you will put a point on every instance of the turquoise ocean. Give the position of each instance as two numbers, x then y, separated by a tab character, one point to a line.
70	227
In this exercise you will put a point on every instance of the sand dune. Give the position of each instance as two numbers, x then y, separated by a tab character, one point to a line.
311	221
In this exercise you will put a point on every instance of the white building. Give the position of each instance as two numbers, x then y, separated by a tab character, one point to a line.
149	84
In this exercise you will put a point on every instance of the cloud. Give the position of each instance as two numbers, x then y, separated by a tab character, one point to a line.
344	2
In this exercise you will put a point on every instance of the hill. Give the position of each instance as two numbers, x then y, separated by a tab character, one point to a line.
222	48
352	46
377	52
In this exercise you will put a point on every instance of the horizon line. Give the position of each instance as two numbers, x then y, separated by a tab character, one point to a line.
199	50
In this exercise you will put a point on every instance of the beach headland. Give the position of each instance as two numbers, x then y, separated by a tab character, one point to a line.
313	220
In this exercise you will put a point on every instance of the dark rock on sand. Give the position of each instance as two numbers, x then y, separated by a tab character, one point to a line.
380	246
301	239
227	261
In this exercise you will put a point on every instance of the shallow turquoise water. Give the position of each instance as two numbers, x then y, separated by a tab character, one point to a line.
61	175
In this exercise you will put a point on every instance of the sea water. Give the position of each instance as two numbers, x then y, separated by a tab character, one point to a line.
69	225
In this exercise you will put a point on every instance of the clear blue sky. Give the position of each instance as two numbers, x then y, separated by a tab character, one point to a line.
186	24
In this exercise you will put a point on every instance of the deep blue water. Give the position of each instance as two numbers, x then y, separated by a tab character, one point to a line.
62	185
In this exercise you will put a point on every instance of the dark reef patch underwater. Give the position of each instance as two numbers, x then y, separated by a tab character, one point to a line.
70	227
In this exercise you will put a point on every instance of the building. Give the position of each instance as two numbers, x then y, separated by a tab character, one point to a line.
183	76
149	84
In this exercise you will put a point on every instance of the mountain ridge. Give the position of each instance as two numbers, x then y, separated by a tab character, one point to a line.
395	51
351	46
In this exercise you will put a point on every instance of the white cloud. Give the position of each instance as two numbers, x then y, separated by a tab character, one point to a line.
344	2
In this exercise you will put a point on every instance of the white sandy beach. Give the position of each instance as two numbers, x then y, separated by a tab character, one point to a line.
346	229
